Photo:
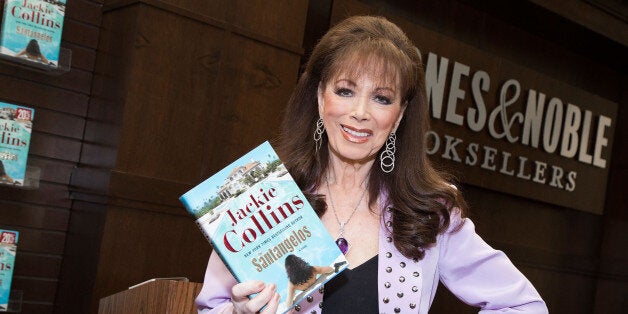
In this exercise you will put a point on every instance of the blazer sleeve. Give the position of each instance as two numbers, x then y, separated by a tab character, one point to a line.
215	296
482	276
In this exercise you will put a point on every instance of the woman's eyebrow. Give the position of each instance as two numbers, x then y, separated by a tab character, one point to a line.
346	80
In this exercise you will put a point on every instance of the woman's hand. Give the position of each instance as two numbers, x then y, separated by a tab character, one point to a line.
267	297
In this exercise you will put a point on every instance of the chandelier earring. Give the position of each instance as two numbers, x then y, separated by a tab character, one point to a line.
387	157
318	133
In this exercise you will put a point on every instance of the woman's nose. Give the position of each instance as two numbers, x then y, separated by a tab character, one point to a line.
361	108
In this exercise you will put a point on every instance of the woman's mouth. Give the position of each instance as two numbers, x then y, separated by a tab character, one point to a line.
355	135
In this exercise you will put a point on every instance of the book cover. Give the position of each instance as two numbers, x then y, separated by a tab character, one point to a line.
261	225
8	247
32	29
16	123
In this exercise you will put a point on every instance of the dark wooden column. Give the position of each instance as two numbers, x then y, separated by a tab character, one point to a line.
183	88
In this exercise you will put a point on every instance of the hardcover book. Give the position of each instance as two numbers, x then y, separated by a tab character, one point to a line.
16	123
8	247
32	29
261	225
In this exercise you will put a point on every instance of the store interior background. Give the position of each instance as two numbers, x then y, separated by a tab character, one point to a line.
163	93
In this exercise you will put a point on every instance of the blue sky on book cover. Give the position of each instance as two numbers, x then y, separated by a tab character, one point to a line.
24	20
255	229
8	246
16	124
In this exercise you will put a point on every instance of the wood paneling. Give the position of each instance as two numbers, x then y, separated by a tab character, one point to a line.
41	95
21	214
43	215
193	112
148	245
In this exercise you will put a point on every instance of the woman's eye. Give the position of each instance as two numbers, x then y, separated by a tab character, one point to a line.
383	100
344	92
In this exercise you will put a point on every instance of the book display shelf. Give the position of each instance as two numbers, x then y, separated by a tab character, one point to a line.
65	61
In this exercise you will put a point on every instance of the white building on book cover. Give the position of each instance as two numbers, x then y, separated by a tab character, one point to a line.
265	229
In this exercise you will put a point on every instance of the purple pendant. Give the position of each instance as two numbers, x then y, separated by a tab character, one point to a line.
343	245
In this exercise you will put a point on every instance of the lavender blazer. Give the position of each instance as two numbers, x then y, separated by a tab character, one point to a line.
473	271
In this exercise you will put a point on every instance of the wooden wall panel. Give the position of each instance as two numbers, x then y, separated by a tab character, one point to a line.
42	95
192	113
83	58
54	122
80	257
263	18
86	11
34	216
154	246
43	215
37	265
215	9
260	79
168	114
76	80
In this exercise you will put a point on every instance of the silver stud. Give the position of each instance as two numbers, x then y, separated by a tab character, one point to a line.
320	304
388	224
416	260
386	300
387	284
313	312
389	239
297	307
412	305
310	298
388	254
389	208
388	269
415	274
400	294
402	279
415	289
321	289
402	264
397	310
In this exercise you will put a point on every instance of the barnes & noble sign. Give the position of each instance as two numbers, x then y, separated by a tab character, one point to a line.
504	127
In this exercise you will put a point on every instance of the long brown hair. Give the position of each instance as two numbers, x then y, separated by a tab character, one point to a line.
420	197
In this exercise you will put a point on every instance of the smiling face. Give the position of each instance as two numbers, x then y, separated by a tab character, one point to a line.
359	112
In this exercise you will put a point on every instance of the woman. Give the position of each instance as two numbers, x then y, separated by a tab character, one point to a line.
302	275
354	142
32	52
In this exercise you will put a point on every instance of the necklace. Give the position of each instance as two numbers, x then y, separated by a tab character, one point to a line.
342	243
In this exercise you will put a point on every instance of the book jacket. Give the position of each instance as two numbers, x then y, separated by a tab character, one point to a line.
8	247
16	123
261	225
32	29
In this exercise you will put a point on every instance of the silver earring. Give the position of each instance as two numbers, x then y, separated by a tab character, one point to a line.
387	157
318	133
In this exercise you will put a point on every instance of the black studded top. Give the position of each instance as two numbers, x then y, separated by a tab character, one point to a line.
353	290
